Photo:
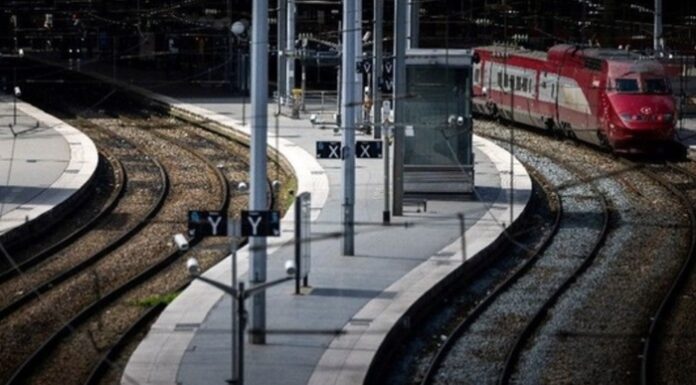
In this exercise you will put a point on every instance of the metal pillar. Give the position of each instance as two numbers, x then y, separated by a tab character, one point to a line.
357	32
237	360
259	133
398	96
658	43
348	65
290	49
413	23
380	129
282	55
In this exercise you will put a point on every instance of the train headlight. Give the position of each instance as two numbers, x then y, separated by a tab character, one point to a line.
628	117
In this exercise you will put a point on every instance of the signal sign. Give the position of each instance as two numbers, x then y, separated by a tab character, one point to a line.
368	149
260	223
364	66
387	83
328	150
207	223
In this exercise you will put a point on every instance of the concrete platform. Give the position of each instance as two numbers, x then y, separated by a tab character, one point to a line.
43	164
362	297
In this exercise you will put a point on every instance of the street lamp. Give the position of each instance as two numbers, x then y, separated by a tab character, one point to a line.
240	294
16	91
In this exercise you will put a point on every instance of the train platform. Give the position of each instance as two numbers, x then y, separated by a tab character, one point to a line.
44	165
331	332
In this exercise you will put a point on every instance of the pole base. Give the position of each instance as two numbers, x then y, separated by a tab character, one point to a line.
386	217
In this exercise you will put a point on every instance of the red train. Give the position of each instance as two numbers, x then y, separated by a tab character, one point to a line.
602	96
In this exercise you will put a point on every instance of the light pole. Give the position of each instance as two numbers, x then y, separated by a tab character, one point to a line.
380	129
658	42
16	91
258	166
239	294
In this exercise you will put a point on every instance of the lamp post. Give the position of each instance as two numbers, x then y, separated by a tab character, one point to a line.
239	29
16	91
239	294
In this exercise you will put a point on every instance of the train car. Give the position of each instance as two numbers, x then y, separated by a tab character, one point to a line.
607	97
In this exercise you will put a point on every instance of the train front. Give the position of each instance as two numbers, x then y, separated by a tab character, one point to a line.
641	108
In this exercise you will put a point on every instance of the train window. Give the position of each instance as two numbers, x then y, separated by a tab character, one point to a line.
525	84
626	85
656	86
477	76
500	79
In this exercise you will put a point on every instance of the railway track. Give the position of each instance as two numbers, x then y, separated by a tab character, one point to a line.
663	356
68	344
109	188
592	332
148	186
550	269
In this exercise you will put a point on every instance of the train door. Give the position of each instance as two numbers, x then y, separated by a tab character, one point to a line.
574	108
548	85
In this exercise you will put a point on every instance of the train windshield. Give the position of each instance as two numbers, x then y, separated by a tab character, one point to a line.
656	86
626	85
641	86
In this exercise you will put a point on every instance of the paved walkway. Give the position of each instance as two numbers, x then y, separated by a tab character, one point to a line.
43	162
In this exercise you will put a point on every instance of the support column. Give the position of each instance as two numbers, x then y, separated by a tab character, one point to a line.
259	133
357	31
658	43
398	98
380	129
348	66
290	48
282	54
413	23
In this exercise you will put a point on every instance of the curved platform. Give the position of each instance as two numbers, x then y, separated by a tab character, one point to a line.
44	164
393	268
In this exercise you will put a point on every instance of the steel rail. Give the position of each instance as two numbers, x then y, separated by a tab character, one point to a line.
534	323
114	199
463	326
651	339
121	240
40	354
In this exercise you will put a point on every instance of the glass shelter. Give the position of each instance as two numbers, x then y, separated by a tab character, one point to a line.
438	156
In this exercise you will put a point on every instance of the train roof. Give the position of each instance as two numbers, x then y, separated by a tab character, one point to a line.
517	51
562	49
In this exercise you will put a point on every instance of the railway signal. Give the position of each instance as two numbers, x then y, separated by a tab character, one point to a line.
329	150
207	223
369	149
261	223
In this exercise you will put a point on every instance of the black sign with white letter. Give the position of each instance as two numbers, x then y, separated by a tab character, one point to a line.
369	149
387	81
207	223
328	150
260	223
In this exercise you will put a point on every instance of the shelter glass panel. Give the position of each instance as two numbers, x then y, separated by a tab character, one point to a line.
437	115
